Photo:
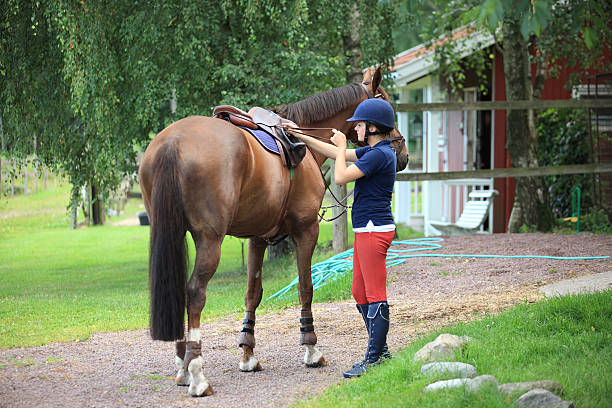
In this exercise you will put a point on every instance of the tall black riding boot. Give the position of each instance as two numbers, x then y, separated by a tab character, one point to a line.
363	309
376	317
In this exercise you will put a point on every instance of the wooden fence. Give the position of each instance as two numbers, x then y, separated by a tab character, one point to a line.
494	173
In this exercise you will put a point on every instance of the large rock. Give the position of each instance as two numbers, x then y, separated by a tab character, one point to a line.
455	369
441	349
471	385
523	387
540	398
482	381
446	384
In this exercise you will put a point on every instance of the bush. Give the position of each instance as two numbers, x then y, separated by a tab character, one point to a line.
563	139
596	221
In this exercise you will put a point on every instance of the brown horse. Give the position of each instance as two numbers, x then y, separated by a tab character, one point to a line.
203	175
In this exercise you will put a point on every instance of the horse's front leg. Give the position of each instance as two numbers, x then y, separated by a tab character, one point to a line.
208	252
252	298
305	241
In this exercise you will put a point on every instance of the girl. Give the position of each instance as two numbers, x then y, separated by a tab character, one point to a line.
373	171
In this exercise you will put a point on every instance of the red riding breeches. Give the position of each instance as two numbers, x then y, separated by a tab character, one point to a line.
369	268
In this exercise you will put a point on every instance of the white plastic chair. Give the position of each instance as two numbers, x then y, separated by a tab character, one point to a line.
474	214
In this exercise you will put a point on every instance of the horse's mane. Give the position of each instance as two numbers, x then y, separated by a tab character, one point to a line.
322	106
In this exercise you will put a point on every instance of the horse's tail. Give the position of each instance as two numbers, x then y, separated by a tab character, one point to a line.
167	251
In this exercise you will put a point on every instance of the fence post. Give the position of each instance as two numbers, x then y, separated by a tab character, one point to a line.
340	224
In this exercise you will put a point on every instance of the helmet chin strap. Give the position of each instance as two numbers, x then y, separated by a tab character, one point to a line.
368	133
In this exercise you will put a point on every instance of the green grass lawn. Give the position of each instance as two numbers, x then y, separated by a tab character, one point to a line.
58	284
566	339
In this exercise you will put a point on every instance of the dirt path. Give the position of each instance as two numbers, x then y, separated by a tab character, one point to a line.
128	369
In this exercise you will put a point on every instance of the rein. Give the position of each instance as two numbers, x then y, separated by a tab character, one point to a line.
339	203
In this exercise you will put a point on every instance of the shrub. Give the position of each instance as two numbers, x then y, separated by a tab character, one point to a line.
563	139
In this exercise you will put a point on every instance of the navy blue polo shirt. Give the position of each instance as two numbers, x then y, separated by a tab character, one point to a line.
374	190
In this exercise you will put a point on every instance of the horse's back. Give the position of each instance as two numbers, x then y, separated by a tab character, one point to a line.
229	183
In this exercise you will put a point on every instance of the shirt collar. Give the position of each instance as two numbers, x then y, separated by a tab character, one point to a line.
383	142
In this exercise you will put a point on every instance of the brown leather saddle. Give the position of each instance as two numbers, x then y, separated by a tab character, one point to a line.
292	151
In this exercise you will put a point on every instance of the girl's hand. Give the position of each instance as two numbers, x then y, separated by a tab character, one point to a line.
289	129
339	139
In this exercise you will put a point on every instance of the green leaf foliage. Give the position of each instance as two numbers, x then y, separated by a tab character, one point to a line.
91	82
563	138
572	33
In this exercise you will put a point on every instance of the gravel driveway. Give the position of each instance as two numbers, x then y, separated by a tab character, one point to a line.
129	369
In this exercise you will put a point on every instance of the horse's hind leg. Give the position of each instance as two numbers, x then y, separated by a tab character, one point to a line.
208	252
182	378
256	250
305	240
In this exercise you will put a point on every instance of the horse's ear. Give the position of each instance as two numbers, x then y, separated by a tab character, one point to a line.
367	77
377	79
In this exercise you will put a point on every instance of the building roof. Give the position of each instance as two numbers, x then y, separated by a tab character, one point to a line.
418	61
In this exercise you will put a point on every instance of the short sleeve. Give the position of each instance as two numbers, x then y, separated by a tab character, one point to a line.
370	161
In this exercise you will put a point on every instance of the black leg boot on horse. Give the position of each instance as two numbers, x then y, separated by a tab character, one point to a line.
377	323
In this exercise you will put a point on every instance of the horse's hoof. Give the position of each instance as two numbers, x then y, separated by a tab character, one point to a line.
313	357
251	364
201	390
319	363
181	378
198	386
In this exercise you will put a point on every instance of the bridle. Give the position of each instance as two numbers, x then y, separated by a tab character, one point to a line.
324	139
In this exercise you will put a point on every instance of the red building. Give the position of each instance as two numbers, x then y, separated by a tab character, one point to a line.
460	140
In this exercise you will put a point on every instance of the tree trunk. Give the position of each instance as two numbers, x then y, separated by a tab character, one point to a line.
97	207
521	140
281	249
352	49
1	151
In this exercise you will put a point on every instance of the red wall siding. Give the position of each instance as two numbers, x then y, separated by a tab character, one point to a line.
501	159
554	88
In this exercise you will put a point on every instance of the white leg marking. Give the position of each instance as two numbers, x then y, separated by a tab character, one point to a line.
194	335
249	365
313	357
181	378
199	386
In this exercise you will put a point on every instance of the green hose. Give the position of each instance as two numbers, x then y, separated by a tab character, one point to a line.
336	266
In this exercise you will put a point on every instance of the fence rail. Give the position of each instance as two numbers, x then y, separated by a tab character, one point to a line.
497	173
505	105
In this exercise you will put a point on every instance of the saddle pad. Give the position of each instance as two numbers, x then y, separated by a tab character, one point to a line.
264	139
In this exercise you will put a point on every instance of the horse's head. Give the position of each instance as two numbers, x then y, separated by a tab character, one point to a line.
371	84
